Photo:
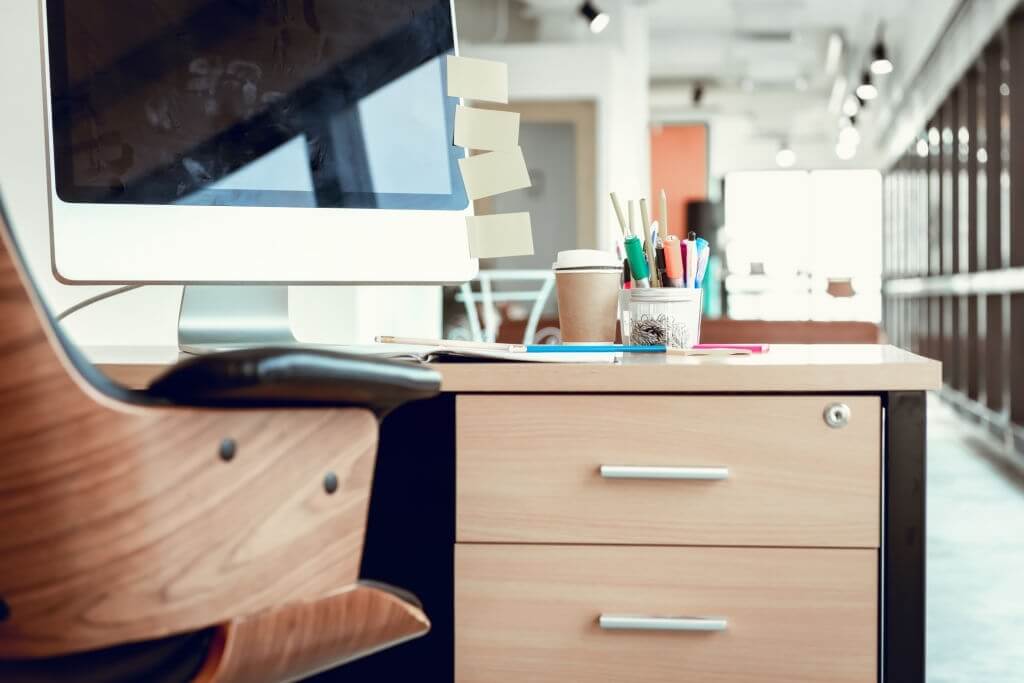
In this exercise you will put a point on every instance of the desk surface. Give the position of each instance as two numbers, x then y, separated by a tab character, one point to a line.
819	368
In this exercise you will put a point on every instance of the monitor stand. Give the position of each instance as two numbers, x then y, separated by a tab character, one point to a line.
228	317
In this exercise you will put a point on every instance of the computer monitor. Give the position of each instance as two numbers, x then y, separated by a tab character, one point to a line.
252	141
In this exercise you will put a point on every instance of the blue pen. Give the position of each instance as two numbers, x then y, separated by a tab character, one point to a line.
703	254
595	348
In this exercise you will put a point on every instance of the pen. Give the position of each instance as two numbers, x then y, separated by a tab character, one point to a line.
627	348
691	260
703	254
645	218
659	258
682	257
673	261
595	348
637	262
752	348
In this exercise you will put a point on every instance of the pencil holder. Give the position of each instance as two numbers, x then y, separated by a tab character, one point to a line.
666	315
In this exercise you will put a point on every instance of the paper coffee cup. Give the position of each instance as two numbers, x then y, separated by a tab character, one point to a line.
588	282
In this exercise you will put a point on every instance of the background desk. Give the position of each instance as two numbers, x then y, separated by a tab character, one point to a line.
811	547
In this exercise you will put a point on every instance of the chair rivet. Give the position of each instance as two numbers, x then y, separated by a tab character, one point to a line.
330	482
227	449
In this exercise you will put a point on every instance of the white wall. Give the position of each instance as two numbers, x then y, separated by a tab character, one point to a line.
612	71
149	316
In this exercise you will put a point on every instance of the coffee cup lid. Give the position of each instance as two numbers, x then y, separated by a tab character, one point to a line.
577	259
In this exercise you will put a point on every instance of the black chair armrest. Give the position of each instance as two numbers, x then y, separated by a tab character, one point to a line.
279	377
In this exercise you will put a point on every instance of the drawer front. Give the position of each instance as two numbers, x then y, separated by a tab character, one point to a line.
701	615
677	470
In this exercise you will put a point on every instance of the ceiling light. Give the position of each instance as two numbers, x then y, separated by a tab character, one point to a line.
922	147
866	91
598	20
698	93
785	157
846	152
849	136
880	63
851	105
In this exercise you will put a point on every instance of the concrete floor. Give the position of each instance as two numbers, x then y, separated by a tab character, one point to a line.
975	557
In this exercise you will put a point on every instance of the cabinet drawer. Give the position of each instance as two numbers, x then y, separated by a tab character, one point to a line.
533	613
679	470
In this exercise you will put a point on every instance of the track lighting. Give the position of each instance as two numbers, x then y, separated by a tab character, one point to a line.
866	91
849	136
785	157
698	93
851	105
880	63
597	19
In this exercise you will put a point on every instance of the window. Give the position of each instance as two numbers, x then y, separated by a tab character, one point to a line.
788	234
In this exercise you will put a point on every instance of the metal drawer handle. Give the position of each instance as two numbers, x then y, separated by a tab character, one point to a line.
622	622
683	473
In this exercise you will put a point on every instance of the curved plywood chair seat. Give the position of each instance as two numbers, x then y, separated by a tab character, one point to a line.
284	643
130	517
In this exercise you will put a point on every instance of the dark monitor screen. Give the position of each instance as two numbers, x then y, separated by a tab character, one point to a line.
296	103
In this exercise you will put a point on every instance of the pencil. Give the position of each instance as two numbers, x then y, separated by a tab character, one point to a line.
663	219
618	214
449	343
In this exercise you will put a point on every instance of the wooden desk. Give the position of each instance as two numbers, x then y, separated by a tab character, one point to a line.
775	501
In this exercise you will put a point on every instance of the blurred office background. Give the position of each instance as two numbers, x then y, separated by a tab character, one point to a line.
854	163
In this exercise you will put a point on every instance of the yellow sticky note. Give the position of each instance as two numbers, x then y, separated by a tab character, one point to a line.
503	234
477	79
486	175
486	129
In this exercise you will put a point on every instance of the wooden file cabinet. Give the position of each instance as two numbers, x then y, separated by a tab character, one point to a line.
735	535
576	511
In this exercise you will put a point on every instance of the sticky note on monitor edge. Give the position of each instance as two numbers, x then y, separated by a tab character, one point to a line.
486	129
503	234
477	79
486	175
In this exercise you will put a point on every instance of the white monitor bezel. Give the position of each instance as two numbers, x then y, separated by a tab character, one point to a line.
104	244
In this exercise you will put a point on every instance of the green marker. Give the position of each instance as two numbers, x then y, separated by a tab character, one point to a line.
638	262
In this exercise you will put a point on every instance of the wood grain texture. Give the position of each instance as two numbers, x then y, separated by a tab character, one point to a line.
122	524
727	331
528	470
816	367
300	639
529	613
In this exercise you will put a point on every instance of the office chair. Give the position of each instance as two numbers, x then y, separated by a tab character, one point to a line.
208	529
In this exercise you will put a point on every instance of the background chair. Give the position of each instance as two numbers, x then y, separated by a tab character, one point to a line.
208	529
489	300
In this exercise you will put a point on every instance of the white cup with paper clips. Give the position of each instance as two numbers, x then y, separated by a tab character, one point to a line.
667	315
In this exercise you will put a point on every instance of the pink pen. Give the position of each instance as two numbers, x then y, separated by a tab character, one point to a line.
753	348
682	251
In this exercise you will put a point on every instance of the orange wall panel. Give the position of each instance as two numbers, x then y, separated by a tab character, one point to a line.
679	165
